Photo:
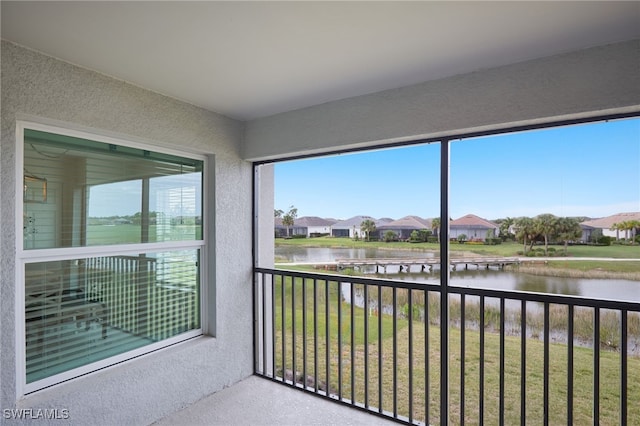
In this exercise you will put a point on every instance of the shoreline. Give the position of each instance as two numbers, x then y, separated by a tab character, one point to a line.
548	271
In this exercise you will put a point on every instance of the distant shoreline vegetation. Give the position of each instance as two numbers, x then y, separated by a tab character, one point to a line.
615	251
136	219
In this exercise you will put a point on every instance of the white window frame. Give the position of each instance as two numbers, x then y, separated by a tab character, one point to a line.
24	257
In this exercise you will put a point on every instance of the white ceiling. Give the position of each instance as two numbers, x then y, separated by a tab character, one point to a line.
253	59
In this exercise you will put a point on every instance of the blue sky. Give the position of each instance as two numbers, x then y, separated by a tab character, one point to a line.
583	170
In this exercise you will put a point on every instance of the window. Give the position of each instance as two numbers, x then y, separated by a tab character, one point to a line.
111	253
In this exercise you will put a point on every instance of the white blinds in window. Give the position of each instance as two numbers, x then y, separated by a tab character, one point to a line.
84	310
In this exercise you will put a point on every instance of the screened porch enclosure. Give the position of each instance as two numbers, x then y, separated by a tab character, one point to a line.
453	346
89	294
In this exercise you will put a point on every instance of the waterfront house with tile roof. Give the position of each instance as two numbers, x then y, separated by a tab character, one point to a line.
605	226
403	227
472	226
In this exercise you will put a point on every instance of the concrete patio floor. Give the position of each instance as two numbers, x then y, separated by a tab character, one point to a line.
257	401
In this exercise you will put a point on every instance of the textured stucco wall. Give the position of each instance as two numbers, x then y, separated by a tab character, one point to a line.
145	389
265	175
579	84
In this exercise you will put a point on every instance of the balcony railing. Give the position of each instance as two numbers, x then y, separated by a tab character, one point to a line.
380	345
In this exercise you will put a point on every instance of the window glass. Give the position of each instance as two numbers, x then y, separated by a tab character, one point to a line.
80	192
86	311
80	311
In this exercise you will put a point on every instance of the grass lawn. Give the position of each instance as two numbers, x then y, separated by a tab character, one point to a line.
379	349
129	233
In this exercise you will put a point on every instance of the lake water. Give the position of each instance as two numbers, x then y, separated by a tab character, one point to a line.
624	290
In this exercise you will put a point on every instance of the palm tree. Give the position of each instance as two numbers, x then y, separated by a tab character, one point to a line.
546	226
289	218
435	226
568	229
505	227
368	226
634	225
525	230
618	226
629	226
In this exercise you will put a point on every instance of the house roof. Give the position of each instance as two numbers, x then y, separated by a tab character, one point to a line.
214	54
607	222
313	221
472	221
383	220
408	222
351	222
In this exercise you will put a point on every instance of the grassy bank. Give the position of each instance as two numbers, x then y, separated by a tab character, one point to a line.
583	269
505	249
381	348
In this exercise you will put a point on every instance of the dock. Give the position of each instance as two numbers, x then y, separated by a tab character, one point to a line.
425	264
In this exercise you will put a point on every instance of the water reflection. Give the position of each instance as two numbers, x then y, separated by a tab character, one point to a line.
324	254
624	290
540	284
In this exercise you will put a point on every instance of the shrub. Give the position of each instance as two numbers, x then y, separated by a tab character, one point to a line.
493	241
298	236
605	240
389	236
435	239
415	311
419	236
415	237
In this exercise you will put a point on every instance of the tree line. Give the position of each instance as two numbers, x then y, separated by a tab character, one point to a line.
550	228
545	228
629	227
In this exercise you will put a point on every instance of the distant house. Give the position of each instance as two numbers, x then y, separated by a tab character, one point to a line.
405	226
350	228
474	227
316	225
603	226
305	225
